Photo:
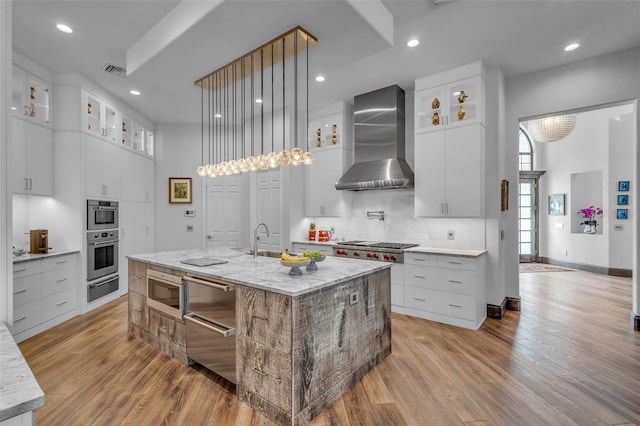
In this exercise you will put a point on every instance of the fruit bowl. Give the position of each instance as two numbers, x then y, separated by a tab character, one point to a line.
295	265
312	262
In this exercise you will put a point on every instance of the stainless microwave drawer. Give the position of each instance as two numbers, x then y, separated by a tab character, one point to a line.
212	345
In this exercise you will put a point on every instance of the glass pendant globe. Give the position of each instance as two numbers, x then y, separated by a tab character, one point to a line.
263	163
252	162
233	165
272	159
284	158
223	167
242	165
216	170
296	156
201	170
307	158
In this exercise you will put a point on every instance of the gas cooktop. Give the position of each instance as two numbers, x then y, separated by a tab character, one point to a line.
384	244
372	250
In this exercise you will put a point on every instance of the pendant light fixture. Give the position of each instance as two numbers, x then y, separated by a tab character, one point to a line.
226	109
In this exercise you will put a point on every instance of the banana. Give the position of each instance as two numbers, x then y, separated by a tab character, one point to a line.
289	258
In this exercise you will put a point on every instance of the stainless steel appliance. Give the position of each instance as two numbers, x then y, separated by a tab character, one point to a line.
165	293
102	215
102	254
99	289
379	134
211	325
372	250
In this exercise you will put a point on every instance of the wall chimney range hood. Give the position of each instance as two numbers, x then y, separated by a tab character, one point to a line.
379	143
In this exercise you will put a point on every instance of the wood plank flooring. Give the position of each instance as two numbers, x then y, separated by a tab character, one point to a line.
570	357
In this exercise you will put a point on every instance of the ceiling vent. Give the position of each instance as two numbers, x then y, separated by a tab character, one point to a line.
114	69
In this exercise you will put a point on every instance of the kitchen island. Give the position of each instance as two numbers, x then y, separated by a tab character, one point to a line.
301	340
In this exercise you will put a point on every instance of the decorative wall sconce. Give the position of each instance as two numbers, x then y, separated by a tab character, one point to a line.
234	108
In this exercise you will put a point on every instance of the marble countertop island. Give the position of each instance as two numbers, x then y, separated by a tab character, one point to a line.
263	272
19	391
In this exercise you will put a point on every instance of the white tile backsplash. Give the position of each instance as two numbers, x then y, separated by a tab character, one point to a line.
399	223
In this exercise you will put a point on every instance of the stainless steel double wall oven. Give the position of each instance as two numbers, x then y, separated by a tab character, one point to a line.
102	248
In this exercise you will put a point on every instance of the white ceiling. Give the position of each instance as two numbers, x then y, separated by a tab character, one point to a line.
518	36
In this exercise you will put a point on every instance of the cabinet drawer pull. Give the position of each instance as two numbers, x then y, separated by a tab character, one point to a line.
21	319
61	280
455	306
455	282
420	276
420	299
20	292
61	262
455	263
20	270
419	260
63	303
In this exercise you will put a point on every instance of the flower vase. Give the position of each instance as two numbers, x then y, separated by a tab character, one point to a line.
589	229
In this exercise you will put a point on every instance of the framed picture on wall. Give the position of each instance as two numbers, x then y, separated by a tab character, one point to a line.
623	185
623	200
556	204
621	214
179	190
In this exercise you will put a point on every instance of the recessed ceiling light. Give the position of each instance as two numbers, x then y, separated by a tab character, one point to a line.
64	28
413	43
258	101
134	92
572	46
320	78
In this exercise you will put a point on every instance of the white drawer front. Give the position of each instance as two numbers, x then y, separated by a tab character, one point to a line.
397	274
58	304
418	298
420	276
58	280
23	269
457	281
455	262
57	262
397	294
419	259
454	305
26	289
26	316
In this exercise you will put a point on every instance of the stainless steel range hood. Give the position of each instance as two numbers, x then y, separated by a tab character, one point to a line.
379	143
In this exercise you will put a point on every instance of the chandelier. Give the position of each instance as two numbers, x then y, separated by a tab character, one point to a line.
245	120
550	129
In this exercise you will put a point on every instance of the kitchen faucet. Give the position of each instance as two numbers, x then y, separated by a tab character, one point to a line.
256	238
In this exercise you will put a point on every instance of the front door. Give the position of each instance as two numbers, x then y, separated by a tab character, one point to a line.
528	219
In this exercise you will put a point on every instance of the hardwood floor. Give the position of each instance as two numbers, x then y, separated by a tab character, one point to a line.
570	357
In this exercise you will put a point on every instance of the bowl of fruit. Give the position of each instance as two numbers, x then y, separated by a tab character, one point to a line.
294	262
314	256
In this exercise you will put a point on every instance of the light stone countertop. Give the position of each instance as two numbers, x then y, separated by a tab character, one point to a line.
320	243
446	251
264	272
19	390
28	257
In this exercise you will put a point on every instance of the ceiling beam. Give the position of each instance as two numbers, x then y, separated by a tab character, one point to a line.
376	15
181	18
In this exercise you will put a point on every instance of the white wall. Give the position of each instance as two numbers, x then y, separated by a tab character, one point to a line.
596	81
588	149
177	154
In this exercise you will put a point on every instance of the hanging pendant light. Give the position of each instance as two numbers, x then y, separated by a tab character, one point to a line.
202	169
307	156
551	129
284	157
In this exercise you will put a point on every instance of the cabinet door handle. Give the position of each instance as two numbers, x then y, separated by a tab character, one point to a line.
21	319
61	281
419	299
20	270
20	292
26	184
63	303
420	276
455	306
455	282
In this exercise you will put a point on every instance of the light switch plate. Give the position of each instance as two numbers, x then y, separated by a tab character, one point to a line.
189	213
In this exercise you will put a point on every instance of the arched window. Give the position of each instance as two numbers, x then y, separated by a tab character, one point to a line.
525	151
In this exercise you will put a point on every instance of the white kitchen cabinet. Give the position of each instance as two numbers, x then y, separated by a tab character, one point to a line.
300	247
321	196
450	172
133	178
133	236
102	168
150	239
99	119
329	139
448	289
44	294
31	97
150	182
450	99
31	153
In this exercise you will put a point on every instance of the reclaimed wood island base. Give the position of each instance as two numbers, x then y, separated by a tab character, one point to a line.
301	342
